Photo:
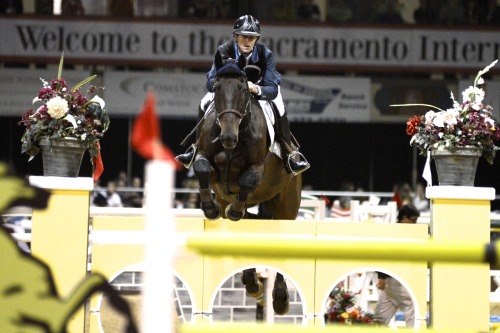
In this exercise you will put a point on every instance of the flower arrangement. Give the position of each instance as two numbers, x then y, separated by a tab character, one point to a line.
465	124
343	309
64	113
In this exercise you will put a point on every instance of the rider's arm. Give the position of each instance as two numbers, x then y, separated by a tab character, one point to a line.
271	79
211	78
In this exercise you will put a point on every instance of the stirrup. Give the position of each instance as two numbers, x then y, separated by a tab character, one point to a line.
192	149
292	156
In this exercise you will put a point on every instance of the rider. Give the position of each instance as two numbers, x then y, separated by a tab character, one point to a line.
246	33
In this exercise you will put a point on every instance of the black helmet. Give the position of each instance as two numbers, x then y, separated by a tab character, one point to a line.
247	25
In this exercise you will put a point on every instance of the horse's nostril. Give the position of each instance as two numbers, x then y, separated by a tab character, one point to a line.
229	141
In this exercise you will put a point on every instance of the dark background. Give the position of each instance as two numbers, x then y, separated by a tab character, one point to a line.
375	157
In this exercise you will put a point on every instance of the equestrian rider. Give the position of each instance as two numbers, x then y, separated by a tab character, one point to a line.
264	85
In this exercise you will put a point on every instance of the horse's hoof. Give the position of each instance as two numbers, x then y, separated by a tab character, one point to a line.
253	285
211	210
281	300
232	214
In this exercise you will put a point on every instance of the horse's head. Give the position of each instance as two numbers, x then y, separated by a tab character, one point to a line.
232	101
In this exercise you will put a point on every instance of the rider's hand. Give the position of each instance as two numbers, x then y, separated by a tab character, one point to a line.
253	88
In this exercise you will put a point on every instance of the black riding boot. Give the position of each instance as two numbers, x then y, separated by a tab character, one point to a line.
292	165
187	158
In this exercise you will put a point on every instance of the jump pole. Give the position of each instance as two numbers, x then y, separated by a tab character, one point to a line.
282	246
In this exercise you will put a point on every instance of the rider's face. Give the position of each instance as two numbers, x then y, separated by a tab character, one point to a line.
245	43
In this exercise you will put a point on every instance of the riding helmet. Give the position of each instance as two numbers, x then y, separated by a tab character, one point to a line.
247	25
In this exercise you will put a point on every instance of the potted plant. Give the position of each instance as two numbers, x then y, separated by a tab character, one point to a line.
64	119
457	137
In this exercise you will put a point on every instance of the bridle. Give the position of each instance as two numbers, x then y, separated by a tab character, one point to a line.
239	114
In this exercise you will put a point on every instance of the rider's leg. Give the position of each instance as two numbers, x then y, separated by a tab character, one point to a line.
293	165
187	158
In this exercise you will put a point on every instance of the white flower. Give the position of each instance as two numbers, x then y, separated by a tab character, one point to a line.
57	107
450	117
473	94
429	116
438	120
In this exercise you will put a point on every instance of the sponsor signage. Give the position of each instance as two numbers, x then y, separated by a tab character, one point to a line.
307	98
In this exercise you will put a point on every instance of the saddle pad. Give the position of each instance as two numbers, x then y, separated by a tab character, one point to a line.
267	108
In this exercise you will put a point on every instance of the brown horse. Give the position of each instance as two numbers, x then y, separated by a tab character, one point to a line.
234	161
233	158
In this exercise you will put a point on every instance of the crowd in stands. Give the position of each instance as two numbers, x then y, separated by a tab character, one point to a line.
446	12
119	192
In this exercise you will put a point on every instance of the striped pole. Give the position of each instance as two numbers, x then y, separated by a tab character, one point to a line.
250	245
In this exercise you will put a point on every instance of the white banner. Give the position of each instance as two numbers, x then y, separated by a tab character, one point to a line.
307	98
188	44
18	87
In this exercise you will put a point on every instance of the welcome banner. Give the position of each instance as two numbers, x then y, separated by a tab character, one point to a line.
176	43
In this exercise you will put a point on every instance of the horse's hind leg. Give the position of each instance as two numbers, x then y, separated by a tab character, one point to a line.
210	207
281	300
253	285
264	212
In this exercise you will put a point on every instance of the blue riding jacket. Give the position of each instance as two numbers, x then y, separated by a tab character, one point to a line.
261	57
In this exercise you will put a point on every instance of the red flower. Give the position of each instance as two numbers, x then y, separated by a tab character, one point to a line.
412	125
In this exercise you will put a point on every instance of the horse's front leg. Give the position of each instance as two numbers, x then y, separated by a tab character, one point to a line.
202	170
248	183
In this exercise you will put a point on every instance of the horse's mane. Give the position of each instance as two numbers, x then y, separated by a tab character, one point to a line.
230	68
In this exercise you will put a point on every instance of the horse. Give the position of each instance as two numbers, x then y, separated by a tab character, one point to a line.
234	161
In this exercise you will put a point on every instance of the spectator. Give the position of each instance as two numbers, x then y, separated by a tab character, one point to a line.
284	10
121	8
419	200
134	198
452	12
198	8
390	15
11	6
477	12
393	295
425	13
113	199
309	11
339	11
494	14
225	9
72	8
402	194
44	7
98	196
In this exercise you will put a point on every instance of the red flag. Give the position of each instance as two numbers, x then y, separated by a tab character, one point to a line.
98	164
146	138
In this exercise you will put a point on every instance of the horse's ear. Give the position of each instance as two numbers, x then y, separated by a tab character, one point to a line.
218	60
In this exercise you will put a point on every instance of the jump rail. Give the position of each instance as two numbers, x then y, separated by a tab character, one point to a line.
351	249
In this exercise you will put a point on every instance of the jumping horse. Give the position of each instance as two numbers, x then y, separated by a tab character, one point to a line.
235	162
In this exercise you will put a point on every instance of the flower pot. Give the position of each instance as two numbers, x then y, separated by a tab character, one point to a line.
61	157
456	166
